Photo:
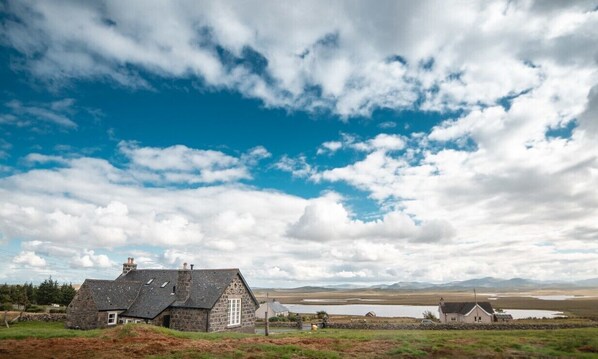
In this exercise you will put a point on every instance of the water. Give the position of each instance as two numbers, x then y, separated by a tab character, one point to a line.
533	313
412	311
558	297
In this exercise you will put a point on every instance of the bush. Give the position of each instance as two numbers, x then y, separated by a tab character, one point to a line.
293	317
429	315
61	310
6	306
279	318
321	314
34	309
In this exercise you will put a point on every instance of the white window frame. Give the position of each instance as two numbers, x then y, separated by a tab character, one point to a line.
234	311
114	319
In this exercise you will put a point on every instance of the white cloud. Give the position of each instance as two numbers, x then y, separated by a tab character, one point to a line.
329	147
29	258
56	113
350	59
512	199
181	164
91	260
298	167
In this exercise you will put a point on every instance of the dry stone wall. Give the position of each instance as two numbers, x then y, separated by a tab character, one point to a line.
460	326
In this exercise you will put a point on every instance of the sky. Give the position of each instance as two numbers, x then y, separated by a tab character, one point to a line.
306	143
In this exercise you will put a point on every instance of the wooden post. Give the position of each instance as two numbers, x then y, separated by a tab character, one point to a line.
267	327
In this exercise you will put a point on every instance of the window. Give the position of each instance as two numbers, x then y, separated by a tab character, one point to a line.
164	284
234	311
149	281
112	317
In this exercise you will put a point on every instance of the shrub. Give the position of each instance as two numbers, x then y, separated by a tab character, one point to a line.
6	306
60	310
429	315
34	309
321	314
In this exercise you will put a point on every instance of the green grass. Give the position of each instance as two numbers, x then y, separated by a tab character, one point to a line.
582	342
33	329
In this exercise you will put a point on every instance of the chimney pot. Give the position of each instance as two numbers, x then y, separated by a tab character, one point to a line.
129	266
191	266
185	265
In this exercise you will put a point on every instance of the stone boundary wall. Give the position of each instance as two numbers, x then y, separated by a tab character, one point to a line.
279	324
42	317
462	326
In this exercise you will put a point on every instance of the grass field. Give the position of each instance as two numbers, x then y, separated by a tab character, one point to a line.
51	340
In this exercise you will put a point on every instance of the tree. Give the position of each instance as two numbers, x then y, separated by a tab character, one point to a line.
67	293
429	315
48	292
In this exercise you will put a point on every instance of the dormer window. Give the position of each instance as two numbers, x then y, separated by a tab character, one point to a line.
164	284
149	281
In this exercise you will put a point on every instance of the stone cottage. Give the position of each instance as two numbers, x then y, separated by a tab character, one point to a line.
274	309
465	312
206	300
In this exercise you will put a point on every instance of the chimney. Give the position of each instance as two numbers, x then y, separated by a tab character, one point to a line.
191	266
129	266
441	302
183	284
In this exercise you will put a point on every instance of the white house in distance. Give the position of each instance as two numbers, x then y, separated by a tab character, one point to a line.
274	309
465	312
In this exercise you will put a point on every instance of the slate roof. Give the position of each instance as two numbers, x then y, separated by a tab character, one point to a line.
503	316
277	307
152	299
465	307
144	294
111	295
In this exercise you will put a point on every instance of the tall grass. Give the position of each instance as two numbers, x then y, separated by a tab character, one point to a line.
35	329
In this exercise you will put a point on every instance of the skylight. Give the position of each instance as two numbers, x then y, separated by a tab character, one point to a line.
149	281
163	284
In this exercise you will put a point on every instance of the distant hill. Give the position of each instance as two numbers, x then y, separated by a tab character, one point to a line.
485	283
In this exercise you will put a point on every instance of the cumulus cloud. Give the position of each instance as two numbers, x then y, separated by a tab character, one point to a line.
29	258
326	219
304	59
181	164
510	170
91	260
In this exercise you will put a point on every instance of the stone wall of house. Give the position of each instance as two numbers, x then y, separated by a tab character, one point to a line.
82	313
159	320
188	319
219	314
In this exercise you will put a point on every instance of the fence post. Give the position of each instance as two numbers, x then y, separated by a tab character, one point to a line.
267	327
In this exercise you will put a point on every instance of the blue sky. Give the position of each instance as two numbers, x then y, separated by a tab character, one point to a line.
385	143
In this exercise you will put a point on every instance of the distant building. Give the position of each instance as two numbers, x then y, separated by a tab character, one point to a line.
205	300
370	314
274	309
465	312
502	317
